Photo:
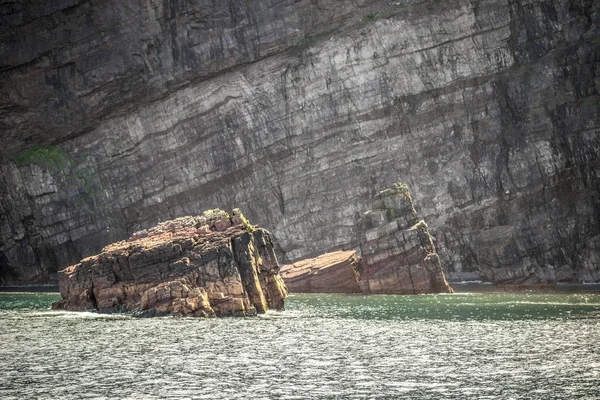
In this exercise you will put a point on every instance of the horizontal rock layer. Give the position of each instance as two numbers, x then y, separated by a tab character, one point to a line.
192	266
336	272
149	110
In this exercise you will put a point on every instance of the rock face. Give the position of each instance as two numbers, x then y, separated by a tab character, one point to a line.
398	254
336	272
118	115
211	265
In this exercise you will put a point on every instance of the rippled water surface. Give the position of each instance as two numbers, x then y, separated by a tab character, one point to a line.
460	346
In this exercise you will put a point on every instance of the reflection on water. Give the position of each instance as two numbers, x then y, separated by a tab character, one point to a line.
491	345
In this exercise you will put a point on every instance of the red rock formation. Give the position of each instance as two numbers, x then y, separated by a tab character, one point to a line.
211	265
335	272
398	254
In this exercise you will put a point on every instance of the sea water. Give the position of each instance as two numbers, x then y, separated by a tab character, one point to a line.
473	345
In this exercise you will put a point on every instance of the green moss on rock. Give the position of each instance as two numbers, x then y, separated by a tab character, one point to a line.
47	156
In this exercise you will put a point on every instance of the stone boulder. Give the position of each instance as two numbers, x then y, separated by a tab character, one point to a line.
398	254
336	272
215	264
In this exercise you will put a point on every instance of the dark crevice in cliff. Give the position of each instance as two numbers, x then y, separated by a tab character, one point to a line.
8	274
92	297
244	269
412	284
5	70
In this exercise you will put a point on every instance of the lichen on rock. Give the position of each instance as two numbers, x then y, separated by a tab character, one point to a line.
204	266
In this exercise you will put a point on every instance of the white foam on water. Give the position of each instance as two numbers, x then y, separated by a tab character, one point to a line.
81	314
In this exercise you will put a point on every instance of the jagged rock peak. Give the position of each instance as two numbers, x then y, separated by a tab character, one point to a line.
398	254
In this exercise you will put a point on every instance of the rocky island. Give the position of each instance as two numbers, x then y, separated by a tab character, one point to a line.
398	255
215	264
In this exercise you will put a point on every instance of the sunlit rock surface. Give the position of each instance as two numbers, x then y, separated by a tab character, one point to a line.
398	254
336	272
211	265
150	110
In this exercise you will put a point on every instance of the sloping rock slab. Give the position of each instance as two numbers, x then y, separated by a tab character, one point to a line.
335	272
211	265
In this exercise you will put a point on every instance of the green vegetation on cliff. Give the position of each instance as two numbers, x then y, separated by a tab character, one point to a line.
46	156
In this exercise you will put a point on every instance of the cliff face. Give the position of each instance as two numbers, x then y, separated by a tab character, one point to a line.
301	110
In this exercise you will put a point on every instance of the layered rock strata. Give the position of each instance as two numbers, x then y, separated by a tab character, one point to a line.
118	115
211	265
398	254
336	272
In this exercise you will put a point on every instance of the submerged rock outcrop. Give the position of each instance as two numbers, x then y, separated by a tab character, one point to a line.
336	272
211	265
398	254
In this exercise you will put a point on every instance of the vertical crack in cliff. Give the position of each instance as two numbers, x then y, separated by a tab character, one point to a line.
242	253
92	297
412	284
7	273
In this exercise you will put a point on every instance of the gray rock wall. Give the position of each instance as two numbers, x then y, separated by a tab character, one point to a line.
299	112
